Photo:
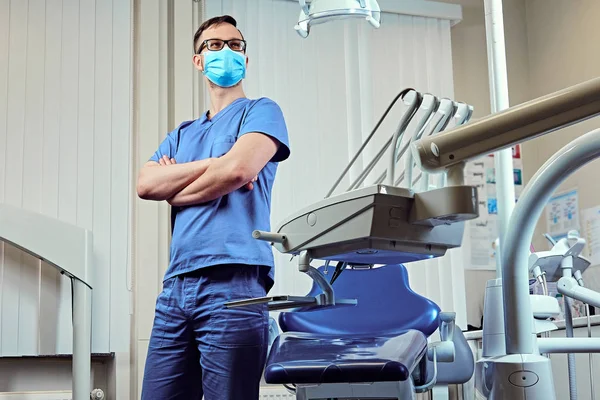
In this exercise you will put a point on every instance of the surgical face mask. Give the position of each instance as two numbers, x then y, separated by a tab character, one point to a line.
224	68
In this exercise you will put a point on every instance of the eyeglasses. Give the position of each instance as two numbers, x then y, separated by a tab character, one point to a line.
218	44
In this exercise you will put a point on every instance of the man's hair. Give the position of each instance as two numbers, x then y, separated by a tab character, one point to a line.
224	19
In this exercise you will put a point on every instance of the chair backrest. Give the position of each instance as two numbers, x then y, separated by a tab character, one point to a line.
386	305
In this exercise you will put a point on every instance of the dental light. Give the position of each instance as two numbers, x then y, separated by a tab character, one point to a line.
321	11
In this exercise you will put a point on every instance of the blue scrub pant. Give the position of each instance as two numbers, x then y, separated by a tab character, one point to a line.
200	348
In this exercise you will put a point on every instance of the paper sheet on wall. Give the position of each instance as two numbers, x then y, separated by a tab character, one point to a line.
590	221
562	214
483	231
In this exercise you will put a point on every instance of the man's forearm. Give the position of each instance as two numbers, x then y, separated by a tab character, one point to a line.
162	182
218	180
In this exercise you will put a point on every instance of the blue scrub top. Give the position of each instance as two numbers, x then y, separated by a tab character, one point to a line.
220	231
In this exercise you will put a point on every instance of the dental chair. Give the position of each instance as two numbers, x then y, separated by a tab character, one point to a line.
377	348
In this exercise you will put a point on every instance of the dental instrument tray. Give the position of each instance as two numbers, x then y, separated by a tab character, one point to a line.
378	224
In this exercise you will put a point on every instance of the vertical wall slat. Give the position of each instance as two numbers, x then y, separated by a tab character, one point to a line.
4	54
353	114
85	126
120	182
197	78
103	159
148	124
67	182
52	105
183	68
69	99
49	300
15	129
50	279
165	125
32	156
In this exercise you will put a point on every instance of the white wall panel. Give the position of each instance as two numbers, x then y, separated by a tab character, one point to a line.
65	151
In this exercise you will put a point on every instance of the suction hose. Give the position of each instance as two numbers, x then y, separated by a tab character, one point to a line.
570	356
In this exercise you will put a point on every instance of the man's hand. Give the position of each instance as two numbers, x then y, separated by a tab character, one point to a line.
167	161
250	185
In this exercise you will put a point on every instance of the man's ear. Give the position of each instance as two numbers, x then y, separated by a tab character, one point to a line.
198	61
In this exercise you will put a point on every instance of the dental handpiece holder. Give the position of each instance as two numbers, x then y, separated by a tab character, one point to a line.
572	265
549	266
564	257
565	265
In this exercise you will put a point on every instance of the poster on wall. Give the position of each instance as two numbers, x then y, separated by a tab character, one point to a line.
590	221
562	214
483	232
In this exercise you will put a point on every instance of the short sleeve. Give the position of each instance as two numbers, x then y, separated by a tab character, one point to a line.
168	147
266	117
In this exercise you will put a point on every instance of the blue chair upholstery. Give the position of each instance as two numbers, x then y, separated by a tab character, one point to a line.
298	358
383	295
337	345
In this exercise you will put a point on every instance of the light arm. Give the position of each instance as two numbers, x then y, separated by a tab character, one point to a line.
160	182
239	166
509	127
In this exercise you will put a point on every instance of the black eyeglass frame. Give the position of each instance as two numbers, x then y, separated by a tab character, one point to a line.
225	42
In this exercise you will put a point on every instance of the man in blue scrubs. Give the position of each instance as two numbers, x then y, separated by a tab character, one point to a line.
217	173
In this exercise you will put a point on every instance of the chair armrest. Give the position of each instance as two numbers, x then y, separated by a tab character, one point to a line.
461	369
445	349
447	325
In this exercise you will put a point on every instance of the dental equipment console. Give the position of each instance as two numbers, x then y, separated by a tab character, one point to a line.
377	224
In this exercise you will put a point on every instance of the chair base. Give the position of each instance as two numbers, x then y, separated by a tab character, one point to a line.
389	390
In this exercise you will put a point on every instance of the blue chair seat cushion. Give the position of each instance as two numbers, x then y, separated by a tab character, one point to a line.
305	358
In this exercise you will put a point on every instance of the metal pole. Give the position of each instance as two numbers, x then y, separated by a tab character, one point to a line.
505	190
569	345
82	340
518	320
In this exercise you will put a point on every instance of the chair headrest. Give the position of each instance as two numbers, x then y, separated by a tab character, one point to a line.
386	306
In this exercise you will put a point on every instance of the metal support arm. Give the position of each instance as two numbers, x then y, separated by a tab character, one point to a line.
303	303
569	345
569	287
82	339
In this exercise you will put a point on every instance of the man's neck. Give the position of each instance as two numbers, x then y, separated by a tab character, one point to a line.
220	98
